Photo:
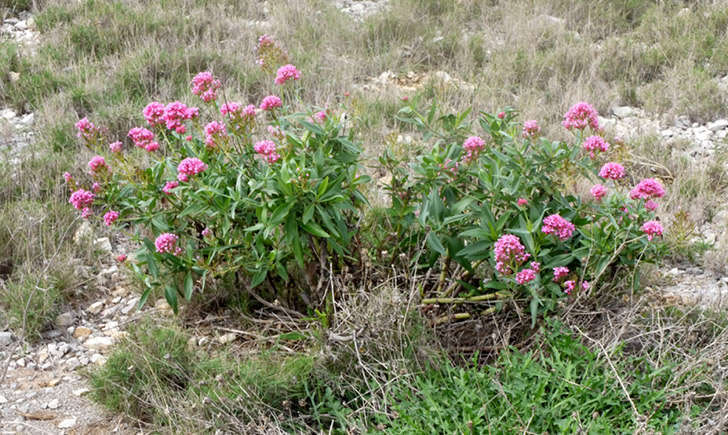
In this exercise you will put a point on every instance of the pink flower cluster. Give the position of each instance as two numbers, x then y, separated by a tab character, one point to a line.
67	176
560	272
652	229
143	138
269	53
557	225
214	134
96	187
531	129
154	113
525	276
81	199
595	144
276	132
96	164
648	188
86	129
581	115
168	186
267	149
522	202
166	243
270	102
473	146
450	167
189	167
598	191
612	170
177	112
287	72
320	116
116	147
509	253
205	86
110	217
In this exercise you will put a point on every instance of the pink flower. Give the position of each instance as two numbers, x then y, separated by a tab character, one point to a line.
509	253
249	112
205	86
231	109
501	115
188	138
206	232
110	217
189	167
275	132
141	136
612	170
267	149
585	285
67	176
652	229
175	113
167	189
569	287
152	146
598	191
647	189
96	187
320	116
473	144
121	258
153	113
651	205
86	213
215	133
287	72
86	129
81	199
530	129
536	266
522	202
270	102
595	144
115	147
560	272
558	226
166	243
525	276
581	115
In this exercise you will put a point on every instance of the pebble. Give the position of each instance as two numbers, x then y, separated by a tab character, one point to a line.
53	404
103	244
81	332
227	338
67	423
6	338
96	307
98	343
98	359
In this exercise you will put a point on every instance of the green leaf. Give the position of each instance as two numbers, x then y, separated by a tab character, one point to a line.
435	244
308	213
322	187
259	277
281	271
170	293
315	229
534	311
189	288
143	298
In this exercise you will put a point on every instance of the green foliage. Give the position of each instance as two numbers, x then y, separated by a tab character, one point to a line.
30	305
461	202
562	388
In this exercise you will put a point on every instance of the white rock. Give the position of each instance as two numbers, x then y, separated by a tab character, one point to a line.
72	363
3	400
718	125
227	338
96	307
113	324
623	111
104	244
80	392
53	404
98	359
13	76
67	423
130	305
22	25
98	343
64	319
20	362
8	114
6	338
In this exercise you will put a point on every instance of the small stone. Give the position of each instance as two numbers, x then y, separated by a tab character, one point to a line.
81	331
99	343
83	360
42	356
227	338
130	305
120	292
116	300
3	400
623	111
203	341
718	125
53	404
13	76
22	25
109	270
98	359
103	244
96	307
72	363
67	423
6	338
20	362
80	392
65	319
8	114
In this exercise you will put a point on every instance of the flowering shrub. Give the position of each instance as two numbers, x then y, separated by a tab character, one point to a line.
491	201
258	197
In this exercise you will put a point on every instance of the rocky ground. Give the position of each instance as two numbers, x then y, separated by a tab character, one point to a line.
42	389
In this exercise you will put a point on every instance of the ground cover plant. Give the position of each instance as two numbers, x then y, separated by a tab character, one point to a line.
426	233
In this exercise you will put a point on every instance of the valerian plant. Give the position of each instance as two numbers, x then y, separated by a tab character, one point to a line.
498	214
259	196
